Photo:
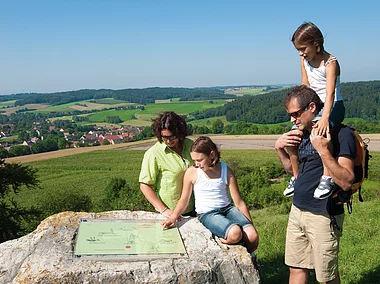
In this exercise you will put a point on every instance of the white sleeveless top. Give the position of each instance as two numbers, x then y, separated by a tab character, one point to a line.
317	80
209	193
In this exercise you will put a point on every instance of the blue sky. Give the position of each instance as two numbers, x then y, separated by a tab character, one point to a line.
62	45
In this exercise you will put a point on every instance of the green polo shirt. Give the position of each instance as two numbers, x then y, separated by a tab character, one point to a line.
164	168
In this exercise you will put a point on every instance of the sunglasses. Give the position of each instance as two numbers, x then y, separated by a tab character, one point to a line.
299	112
170	138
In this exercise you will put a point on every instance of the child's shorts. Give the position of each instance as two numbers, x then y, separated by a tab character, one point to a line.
220	221
337	114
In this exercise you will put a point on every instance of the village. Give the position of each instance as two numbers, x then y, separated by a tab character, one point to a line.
45	139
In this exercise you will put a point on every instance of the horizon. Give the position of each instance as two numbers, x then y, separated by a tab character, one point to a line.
163	87
62	46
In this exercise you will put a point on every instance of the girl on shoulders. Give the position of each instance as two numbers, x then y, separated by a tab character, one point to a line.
210	180
321	72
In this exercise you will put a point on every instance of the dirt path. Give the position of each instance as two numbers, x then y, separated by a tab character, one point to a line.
225	142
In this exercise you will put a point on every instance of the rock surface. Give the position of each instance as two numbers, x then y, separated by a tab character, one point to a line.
46	256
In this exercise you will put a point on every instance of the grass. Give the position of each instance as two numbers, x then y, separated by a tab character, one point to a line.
7	104
89	173
359	260
182	107
84	105
123	114
246	91
209	121
144	117
109	101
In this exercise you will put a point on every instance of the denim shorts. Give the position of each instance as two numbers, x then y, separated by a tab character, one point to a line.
337	114
220	221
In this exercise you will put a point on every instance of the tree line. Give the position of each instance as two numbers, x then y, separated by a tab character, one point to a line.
361	100
139	96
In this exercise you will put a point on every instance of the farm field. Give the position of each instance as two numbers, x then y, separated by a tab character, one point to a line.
7	104
246	91
224	142
252	91
134	117
10	110
209	121
82	105
144	117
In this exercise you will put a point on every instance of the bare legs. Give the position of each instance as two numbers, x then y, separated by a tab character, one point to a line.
249	235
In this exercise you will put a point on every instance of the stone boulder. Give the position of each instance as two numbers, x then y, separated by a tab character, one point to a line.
46	256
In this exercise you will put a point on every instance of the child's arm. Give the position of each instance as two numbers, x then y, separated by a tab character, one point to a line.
184	200
304	78
332	71
235	194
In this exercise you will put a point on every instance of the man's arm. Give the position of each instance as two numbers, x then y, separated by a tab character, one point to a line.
340	169
288	139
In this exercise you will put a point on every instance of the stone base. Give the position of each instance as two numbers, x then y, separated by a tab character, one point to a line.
46	256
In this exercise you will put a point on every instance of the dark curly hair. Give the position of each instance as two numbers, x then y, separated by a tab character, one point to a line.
173	122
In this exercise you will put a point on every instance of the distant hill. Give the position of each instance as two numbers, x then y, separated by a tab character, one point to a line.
140	96
361	99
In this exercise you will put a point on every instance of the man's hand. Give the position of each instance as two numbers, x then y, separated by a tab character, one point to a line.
319	142
289	139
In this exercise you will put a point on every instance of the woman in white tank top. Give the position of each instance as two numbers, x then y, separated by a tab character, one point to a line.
210	180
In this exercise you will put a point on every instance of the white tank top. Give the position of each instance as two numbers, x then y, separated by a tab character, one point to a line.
317	80
209	193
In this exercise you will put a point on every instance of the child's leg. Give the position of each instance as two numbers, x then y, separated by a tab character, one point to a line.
293	156
248	234
234	236
326	184
250	238
225	228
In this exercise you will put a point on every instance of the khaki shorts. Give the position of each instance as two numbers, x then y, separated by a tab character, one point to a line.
311	243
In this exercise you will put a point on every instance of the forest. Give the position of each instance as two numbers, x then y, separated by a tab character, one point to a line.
361	100
140	96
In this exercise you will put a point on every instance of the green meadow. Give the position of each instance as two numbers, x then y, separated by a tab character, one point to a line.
209	121
182	107
7	104
249	91
144	117
85	105
109	101
134	117
124	115
89	174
